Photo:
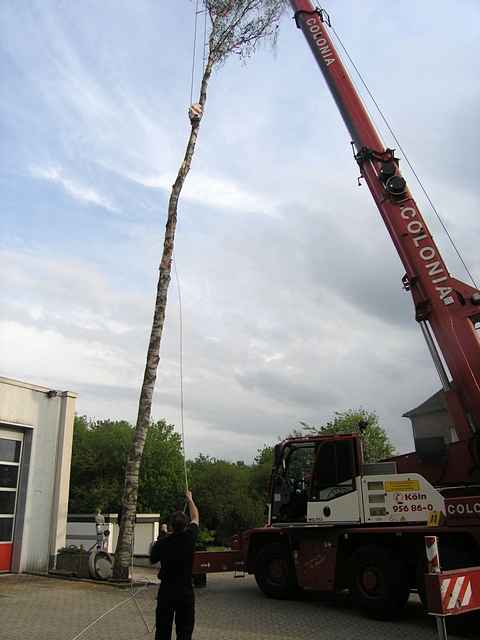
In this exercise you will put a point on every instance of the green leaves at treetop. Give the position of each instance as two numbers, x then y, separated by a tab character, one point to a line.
239	26
99	456
376	443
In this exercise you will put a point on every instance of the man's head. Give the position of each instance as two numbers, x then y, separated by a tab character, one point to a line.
178	521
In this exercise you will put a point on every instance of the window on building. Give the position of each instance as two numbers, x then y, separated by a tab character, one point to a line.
6	529
10	450
8	476
7	502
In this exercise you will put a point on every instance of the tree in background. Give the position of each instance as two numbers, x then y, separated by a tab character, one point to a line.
261	473
226	498
238	27
99	457
161	484
376	443
231	496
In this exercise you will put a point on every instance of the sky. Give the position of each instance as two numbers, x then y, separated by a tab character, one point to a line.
292	302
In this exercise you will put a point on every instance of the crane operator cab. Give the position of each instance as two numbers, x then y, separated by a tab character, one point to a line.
315	480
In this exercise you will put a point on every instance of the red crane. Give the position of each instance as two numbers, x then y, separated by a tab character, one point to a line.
336	522
444	306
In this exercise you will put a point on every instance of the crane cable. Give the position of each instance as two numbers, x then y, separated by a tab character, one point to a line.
205	54
194	54
194	46
407	160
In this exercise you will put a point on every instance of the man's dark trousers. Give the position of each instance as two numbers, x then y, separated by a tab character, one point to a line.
179	603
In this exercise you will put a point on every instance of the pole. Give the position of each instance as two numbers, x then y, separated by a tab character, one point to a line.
433	560
442	374
441	628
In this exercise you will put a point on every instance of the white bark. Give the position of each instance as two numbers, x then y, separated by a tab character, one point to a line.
130	492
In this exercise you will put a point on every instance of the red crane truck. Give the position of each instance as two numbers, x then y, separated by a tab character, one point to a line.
336	523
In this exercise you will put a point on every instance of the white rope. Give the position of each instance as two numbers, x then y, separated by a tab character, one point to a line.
205	41
116	606
181	371
194	51
198	12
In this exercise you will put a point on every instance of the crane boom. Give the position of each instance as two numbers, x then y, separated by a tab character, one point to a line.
444	306
336	522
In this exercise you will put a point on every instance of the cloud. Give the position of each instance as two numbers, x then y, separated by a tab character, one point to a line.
277	354
78	191
290	312
28	348
71	297
212	191
286	386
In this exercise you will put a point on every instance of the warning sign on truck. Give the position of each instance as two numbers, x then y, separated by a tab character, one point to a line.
402	485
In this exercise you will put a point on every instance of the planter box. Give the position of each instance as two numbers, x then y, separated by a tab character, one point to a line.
75	564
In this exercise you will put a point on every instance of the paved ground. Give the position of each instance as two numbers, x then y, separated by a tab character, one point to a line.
37	608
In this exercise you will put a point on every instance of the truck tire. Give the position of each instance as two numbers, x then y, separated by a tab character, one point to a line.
274	572
379	582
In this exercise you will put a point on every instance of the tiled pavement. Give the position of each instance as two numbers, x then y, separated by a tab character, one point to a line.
38	608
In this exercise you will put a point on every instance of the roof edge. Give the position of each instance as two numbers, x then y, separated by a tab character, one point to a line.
35	387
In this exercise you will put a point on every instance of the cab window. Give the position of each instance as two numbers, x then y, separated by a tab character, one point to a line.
335	470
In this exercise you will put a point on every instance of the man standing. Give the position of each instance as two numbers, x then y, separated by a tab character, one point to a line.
175	595
100	529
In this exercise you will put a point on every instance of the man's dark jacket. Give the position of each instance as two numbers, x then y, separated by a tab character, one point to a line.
175	554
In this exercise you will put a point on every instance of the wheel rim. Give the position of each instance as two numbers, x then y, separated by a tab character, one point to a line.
277	570
103	565
371	581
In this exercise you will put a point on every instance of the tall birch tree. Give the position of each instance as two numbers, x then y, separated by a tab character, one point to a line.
235	27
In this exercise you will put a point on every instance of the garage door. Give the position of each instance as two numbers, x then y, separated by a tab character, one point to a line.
10	457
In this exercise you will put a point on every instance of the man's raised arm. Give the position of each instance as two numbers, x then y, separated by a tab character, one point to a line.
192	508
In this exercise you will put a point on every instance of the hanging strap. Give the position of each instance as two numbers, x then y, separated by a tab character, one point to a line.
194	55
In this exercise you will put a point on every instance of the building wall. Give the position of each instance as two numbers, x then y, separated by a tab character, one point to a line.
81	531
46	419
435	424
431	423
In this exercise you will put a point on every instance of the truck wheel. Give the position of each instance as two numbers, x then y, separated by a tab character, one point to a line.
274	572
379	582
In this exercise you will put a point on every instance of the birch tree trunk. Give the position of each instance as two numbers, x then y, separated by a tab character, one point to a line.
237	26
124	549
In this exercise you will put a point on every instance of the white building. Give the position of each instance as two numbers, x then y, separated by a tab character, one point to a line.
432	426
81	532
36	432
